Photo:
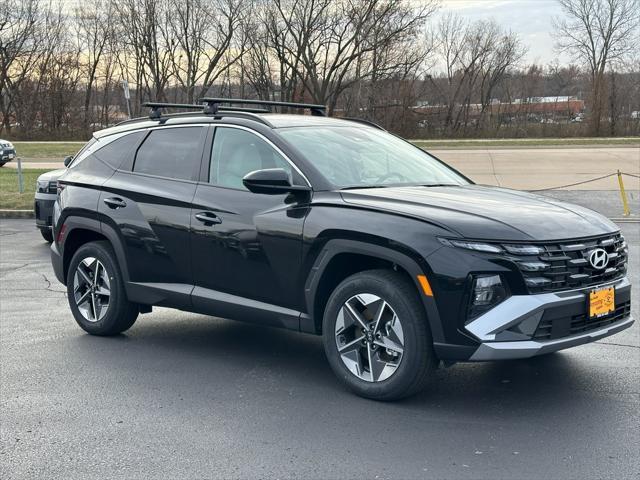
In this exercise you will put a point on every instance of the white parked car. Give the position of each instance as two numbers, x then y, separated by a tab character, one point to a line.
7	152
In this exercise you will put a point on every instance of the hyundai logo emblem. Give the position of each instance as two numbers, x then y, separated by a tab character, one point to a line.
598	258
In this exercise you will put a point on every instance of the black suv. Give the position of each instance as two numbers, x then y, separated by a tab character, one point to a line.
332	227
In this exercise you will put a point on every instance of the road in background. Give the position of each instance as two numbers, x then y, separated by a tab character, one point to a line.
529	169
188	396
523	168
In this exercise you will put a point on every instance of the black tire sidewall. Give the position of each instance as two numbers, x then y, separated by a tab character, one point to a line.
108	323
47	234
417	346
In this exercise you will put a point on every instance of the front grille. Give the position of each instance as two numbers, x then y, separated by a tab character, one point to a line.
553	328
565	265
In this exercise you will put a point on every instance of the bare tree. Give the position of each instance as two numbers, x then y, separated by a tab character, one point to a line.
201	34
95	32
598	33
19	46
326	39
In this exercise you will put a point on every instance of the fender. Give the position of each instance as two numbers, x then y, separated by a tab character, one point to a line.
339	246
74	222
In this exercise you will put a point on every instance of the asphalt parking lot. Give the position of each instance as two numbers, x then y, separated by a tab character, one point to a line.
187	396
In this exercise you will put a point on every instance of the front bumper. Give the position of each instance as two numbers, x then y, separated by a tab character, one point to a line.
57	263
512	329
43	208
7	155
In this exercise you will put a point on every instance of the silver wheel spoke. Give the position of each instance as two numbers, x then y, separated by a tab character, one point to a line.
84	275
104	291
379	313
352	345
376	366
355	314
84	297
94	304
96	273
386	342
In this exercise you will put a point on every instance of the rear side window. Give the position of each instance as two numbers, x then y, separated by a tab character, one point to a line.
83	153
114	152
171	152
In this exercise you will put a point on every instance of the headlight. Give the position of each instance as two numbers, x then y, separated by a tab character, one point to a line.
524	249
477	246
42	185
487	292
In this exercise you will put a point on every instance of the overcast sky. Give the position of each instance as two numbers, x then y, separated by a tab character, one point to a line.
531	19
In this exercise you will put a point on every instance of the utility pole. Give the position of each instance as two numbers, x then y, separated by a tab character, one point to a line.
127	96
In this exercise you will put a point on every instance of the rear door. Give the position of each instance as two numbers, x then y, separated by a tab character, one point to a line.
148	202
245	244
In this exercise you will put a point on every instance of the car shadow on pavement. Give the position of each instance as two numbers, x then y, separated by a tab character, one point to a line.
231	354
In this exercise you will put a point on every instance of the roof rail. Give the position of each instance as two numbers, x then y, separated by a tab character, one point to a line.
214	104
365	122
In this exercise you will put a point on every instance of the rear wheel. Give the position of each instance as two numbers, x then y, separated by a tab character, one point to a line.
376	336
95	290
47	234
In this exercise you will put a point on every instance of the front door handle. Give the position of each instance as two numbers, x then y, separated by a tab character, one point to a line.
208	218
115	202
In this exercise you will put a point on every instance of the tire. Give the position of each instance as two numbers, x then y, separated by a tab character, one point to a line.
118	314
2	164
406	370
47	234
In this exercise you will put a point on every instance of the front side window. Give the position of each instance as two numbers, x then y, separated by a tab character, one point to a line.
237	152
357	157
171	152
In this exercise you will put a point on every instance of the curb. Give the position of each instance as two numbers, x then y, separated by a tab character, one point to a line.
17	214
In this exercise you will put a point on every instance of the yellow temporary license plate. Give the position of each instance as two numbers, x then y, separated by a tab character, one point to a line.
601	302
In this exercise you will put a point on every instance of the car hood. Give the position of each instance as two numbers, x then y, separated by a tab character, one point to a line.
52	175
488	213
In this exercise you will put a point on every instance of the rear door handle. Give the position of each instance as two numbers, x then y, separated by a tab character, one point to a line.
115	202
208	218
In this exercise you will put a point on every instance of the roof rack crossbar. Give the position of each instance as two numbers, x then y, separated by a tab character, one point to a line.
248	113
214	104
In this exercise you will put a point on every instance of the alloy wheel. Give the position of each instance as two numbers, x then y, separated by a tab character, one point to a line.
369	337
91	289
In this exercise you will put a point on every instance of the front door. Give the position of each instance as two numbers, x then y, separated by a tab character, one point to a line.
246	246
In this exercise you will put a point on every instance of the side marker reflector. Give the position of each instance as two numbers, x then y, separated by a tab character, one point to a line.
426	287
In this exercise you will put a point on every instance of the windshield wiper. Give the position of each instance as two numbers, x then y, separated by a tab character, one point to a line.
356	187
440	185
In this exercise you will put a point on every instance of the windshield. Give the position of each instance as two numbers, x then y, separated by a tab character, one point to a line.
356	157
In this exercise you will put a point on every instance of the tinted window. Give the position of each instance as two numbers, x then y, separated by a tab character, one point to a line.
117	150
237	152
171	152
83	153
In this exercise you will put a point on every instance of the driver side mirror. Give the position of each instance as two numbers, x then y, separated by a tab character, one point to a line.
67	160
271	181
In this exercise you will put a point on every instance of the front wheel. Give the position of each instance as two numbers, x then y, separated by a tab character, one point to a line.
376	336
96	293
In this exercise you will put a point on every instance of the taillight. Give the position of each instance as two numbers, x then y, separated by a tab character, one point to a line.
60	235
